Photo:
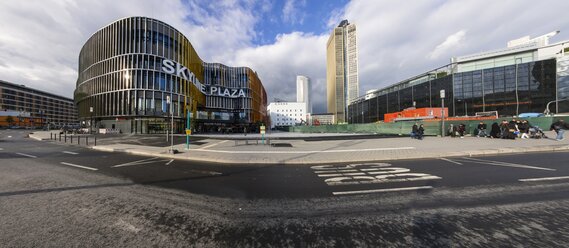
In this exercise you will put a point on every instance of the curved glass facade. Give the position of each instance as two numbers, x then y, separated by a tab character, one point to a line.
136	71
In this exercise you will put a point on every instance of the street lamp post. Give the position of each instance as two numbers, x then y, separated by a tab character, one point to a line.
91	121
442	113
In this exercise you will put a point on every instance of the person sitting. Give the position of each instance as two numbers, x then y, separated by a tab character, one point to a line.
452	130
461	130
482	130
495	130
524	127
414	131
420	132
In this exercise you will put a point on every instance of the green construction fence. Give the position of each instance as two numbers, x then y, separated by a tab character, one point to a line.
404	127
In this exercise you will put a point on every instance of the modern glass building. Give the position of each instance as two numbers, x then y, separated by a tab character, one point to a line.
342	82
522	78
137	72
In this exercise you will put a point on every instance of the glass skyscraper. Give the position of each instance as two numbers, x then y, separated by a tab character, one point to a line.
342	70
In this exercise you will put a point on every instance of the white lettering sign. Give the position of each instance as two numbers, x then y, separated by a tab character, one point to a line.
171	67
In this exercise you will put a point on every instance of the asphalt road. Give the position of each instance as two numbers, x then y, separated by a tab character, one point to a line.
61	195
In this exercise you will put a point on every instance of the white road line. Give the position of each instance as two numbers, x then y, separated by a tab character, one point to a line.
135	162
448	160
79	166
342	174
26	155
498	163
215	173
212	145
68	152
169	162
543	179
307	152
380	190
1	149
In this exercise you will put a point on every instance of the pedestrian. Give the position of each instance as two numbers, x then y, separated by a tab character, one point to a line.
414	131
559	127
461	130
524	127
245	130
495	130
482	130
420	132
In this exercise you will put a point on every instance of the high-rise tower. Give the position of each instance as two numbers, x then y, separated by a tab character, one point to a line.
303	94
342	69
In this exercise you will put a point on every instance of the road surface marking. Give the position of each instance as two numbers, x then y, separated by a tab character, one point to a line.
343	174
212	145
26	155
169	162
68	152
9	136
79	166
506	164
308	152
215	173
1	149
380	190
543	179
448	160
141	162
390	178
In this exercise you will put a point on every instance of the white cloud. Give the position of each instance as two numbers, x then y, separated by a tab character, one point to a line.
451	43
293	13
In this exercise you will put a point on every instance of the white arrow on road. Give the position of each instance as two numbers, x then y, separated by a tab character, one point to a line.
144	161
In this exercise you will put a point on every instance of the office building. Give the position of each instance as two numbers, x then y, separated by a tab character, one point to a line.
303	92
526	76
342	70
137	72
287	114
28	107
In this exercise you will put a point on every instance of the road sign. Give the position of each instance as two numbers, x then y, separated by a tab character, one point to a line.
188	131
262	129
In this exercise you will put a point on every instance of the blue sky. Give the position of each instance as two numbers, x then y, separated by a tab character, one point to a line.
295	16
41	39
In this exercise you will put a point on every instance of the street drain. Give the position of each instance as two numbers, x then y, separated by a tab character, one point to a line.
281	145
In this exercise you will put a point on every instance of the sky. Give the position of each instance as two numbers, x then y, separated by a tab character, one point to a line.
40	40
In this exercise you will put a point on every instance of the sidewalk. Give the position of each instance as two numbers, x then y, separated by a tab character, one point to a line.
299	151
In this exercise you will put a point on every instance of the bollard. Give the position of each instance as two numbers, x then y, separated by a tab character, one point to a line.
65	137
59	137
50	136
78	140
87	140
71	139
95	140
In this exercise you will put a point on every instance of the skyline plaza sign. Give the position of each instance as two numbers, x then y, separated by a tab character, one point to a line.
174	68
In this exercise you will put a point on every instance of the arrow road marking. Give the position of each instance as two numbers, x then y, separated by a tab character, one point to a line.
448	160
144	161
26	155
498	163
79	166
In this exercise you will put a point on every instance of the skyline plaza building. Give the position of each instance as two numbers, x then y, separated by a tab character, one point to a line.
303	91
342	70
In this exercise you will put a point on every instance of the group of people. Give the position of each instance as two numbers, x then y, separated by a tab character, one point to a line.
505	130
509	130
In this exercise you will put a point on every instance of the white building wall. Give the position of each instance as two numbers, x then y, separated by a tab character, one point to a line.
287	113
